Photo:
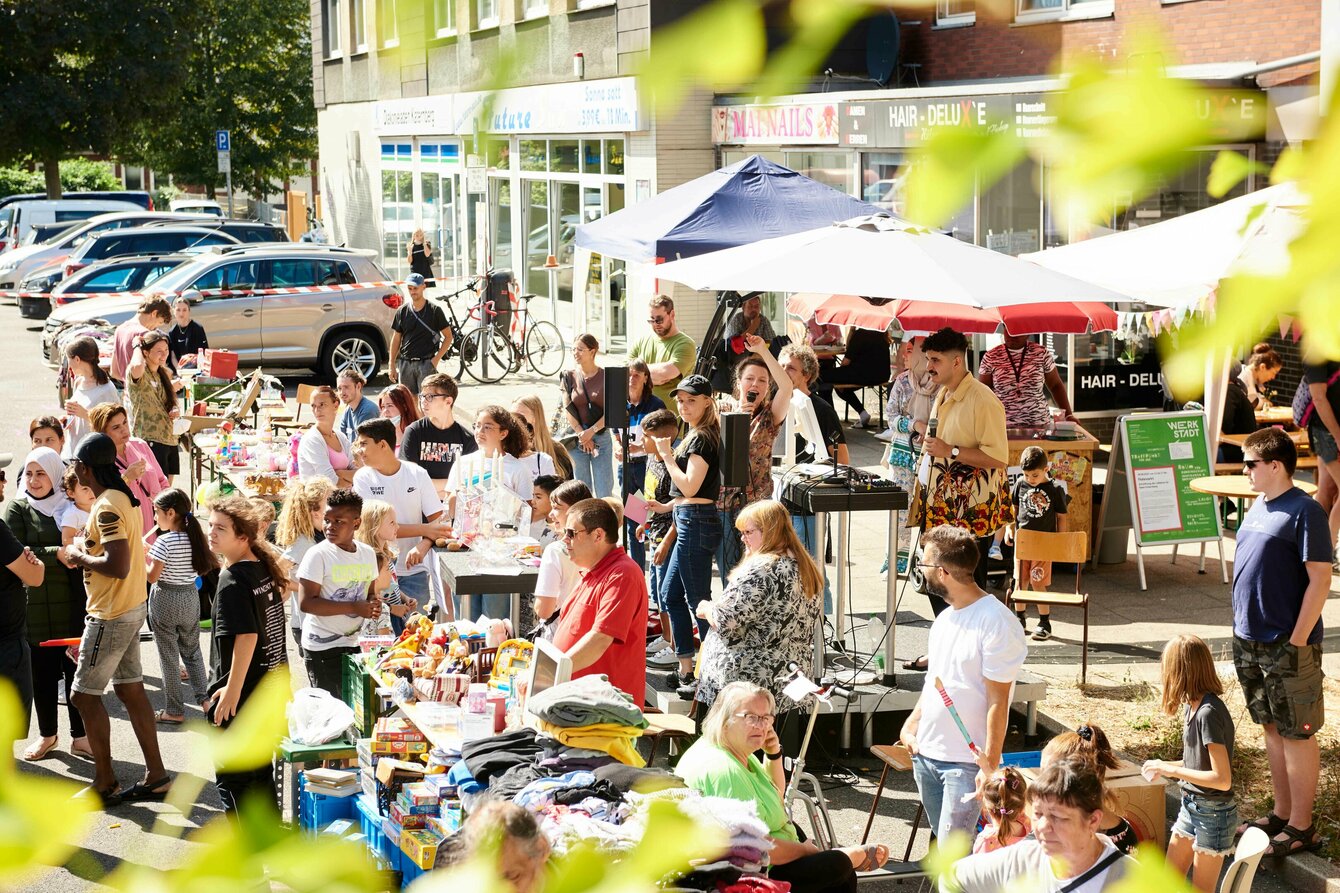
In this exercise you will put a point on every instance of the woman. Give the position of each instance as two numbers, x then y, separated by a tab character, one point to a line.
511	835
1260	370
763	391
641	403
152	400
1090	742
584	405
91	387
398	404
55	606
47	431
910	401
694	468
247	639
498	433
541	460
324	451
134	459
722	764
1066	803
1022	373
557	575
420	257
531	411
768	611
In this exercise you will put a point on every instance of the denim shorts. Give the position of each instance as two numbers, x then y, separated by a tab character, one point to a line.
110	652
1208	822
1323	444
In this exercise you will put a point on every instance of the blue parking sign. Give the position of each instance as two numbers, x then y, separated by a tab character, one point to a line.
222	141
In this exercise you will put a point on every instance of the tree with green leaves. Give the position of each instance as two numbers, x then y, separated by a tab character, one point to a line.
248	70
79	75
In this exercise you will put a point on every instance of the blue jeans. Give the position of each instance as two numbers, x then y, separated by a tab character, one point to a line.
415	588
688	573
596	472
728	551
806	529
942	787
637	471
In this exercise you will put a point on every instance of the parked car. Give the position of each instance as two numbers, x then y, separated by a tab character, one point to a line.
151	239
17	265
243	230
17	218
45	232
137	197
130	274
329	331
190	205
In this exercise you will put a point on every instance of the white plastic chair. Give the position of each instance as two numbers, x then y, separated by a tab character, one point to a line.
1246	858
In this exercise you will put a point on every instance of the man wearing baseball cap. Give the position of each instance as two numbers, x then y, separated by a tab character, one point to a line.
420	337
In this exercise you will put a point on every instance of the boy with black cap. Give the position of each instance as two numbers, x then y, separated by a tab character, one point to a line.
111	555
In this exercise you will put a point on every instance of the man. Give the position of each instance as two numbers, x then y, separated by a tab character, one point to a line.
1021	373
420	337
1323	431
355	408
749	320
437	440
970	434
1281	577
153	314
602	625
668	352
20	568
186	338
111	555
976	651
418	510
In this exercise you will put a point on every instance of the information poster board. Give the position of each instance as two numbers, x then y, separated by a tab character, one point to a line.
1164	452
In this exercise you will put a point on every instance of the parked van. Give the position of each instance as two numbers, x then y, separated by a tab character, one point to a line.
17	218
189	205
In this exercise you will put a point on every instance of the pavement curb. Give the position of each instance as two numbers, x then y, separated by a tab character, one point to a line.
1306	872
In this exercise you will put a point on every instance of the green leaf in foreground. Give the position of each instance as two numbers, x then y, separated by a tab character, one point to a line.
944	178
718	47
1228	170
40	826
255	733
1151	872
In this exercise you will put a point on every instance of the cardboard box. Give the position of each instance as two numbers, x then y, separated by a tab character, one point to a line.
218	363
407	820
420	847
396	728
1139	802
398	748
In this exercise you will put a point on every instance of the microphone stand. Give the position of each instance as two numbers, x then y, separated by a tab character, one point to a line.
623	476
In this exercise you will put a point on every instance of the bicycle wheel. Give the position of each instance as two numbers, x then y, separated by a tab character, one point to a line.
544	349
486	354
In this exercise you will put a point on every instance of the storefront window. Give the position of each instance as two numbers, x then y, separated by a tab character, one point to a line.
567	214
884	181
590	156
537	237
498	151
833	168
614	156
398	214
1011	214
533	155
501	224
563	156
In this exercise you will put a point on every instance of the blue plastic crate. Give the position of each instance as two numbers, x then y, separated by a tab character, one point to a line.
316	811
1024	759
409	872
370	823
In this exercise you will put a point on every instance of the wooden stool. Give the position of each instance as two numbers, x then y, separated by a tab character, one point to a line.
893	756
665	726
295	757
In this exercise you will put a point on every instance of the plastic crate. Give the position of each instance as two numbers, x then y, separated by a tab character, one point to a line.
360	693
1023	759
316	811
409	872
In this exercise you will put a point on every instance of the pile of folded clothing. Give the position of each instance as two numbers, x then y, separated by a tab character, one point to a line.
589	714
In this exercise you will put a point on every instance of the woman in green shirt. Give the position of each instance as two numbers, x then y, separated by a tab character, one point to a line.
722	764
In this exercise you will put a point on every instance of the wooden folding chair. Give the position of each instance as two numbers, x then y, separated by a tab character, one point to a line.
1067	548
303	398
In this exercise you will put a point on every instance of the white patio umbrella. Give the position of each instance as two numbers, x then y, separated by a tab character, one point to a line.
882	257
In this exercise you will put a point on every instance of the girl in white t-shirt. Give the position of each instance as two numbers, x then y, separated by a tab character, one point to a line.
500	436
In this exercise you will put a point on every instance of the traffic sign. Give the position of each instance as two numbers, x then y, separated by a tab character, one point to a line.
225	163
223	140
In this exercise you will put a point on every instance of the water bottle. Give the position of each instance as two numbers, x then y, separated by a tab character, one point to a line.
874	638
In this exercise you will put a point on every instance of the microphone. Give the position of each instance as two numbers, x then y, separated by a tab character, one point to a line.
751	396
931	426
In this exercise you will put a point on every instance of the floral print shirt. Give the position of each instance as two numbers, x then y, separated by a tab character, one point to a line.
762	435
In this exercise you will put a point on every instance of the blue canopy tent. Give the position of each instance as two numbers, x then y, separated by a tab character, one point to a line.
751	200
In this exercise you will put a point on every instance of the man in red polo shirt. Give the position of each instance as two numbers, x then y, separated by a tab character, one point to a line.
603	623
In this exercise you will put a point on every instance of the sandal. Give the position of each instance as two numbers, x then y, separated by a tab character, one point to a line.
1271	824
104	798
149	791
86	752
920	665
1305	840
163	717
876	857
40	748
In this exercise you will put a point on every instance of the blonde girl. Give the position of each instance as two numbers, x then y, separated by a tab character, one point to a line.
378	530
299	528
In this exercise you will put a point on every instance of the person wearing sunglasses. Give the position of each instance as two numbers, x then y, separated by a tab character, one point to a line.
724	763
602	625
668	352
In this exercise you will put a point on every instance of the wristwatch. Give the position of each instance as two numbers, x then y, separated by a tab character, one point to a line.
773	756
953	454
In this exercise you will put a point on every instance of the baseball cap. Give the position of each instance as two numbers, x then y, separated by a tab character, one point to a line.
696	385
414	280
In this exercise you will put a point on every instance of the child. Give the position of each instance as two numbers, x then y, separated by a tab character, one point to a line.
659	533
1090	742
1004	796
179	555
265	515
74	518
299	528
377	528
541	506
1039	504
1203	833
338	580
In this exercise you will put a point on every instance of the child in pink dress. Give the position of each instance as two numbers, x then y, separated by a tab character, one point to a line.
1004	798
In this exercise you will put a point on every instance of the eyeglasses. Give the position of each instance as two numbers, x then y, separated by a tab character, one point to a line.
757	720
1249	464
751	531
570	533
487	426
657	320
924	564
428	398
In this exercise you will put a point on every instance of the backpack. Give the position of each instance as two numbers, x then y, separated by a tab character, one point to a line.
1302	400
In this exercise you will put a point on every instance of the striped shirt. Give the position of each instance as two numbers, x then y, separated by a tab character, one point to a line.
174	550
1019	379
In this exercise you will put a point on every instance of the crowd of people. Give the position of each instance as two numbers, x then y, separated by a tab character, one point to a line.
99	541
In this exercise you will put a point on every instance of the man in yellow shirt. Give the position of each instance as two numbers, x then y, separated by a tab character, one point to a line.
111	555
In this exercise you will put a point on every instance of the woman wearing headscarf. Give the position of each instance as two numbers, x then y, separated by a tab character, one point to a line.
55	605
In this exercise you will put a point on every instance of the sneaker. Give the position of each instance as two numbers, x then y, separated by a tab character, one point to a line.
656	644
688	691
663	658
676	679
865	419
885	436
994	553
1043	632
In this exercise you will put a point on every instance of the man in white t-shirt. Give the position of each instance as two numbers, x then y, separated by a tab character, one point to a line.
976	650
418	510
1067	853
336	594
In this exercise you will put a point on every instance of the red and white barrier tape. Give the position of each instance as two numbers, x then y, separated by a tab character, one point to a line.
207	293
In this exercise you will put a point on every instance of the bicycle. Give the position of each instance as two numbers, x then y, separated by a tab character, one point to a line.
489	352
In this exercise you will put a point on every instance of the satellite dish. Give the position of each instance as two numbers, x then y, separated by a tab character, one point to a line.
883	39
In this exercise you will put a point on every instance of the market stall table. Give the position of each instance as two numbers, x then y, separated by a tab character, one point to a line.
1299	439
461	573
1275	415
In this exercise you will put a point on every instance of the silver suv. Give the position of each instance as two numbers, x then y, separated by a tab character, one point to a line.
330	331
